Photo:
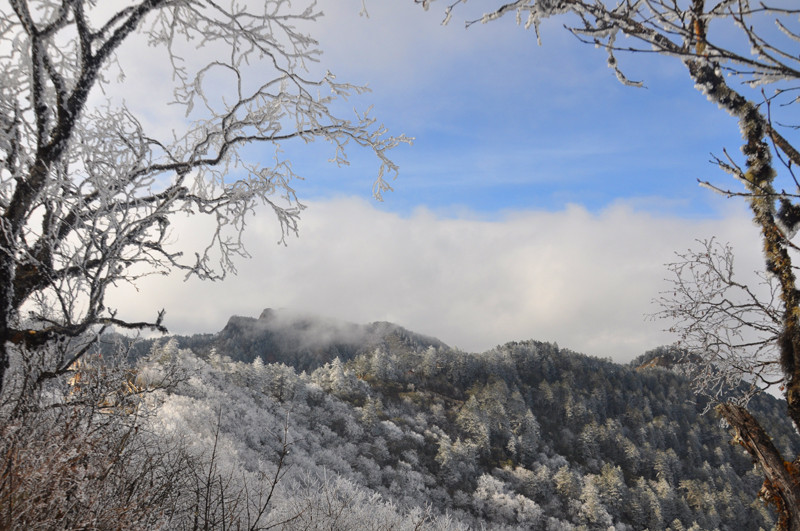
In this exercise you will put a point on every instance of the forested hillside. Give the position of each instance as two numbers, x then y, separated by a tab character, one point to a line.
407	430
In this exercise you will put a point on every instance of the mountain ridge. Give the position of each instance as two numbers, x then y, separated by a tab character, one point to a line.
301	340
525	435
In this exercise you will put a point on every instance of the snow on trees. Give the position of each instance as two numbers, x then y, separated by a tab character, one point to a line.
727	327
88	187
735	52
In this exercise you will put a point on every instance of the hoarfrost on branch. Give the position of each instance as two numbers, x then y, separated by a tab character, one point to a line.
87	191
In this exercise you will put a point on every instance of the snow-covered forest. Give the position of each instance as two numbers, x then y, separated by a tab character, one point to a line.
290	421
386	429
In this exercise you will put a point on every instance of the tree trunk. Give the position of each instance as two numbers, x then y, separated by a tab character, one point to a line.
782	484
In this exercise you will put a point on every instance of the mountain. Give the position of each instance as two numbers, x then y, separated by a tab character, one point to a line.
300	340
373	426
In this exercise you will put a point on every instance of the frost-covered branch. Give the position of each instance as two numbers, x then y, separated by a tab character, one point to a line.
88	192
733	51
729	329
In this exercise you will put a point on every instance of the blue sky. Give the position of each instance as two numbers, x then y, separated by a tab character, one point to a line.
541	198
501	123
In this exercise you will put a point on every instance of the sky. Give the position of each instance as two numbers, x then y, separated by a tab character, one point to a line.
541	198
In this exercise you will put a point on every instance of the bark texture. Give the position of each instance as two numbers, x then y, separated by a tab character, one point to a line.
782	478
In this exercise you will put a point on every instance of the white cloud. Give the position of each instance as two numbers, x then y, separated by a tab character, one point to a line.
581	279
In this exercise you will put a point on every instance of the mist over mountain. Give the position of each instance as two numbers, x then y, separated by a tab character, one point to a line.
300	340
395	428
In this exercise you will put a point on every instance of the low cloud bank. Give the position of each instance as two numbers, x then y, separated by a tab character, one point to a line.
581	279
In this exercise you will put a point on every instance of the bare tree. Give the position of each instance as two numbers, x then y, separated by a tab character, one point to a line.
734	51
221	498
87	191
83	454
729	329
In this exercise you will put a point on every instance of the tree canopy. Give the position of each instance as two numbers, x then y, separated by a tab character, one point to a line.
742	56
